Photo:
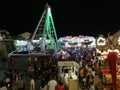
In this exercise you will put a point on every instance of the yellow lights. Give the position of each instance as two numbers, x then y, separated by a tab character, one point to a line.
101	41
119	41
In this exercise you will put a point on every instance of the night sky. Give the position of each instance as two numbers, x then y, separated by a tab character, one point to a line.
71	17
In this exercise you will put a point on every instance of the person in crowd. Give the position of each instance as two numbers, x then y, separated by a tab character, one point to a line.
20	83
16	76
3	86
60	86
30	70
92	87
43	85
7	80
65	79
52	83
32	83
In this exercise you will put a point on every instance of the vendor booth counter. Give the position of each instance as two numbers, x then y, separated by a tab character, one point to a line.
68	72
73	82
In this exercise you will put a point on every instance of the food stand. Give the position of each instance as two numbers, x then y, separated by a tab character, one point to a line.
69	70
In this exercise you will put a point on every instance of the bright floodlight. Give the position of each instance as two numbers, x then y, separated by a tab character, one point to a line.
49	9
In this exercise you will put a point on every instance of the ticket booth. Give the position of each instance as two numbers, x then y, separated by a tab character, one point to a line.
69	70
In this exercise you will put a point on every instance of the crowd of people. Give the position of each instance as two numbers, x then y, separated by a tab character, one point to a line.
45	70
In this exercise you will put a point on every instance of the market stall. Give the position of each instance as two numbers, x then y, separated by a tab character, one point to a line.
68	72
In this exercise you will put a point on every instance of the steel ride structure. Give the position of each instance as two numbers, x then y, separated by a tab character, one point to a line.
45	32
44	39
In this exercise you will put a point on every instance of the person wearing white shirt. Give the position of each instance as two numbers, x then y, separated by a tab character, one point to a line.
32	83
52	83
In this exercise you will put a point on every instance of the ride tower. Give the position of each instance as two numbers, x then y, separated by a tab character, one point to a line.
45	32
